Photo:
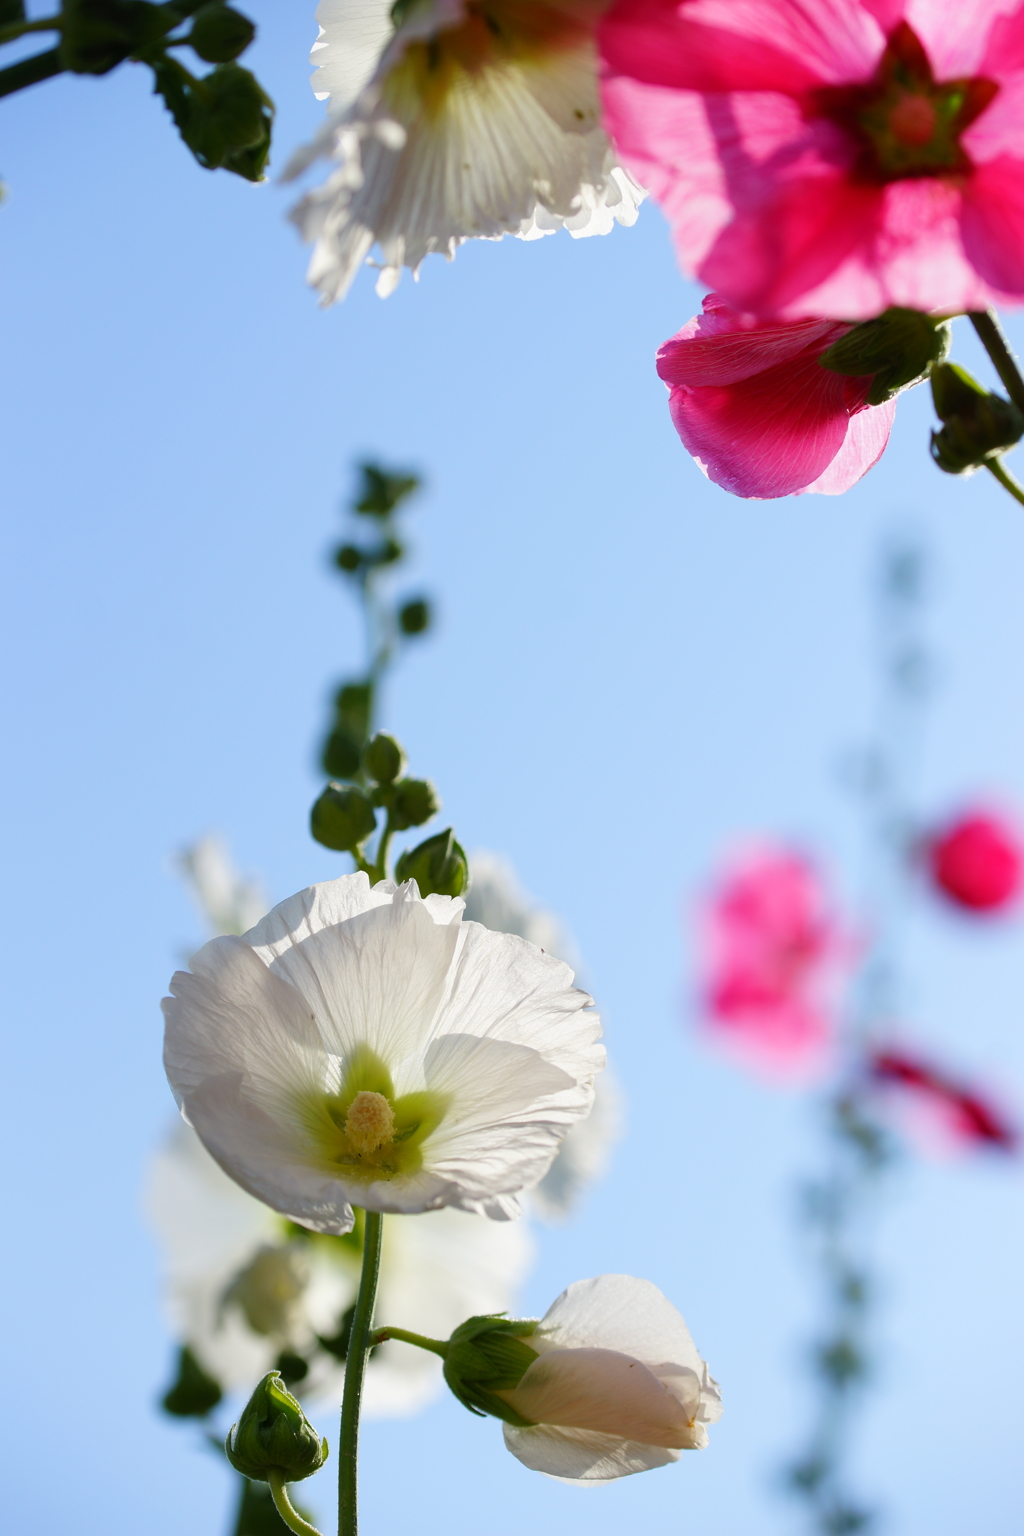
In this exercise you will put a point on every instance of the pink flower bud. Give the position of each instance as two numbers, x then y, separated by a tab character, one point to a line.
976	862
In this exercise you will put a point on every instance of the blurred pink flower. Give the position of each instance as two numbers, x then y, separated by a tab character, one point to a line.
832	158
771	951
759	413
941	1112
975	861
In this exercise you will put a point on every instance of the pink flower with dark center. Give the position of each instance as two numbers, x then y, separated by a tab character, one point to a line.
829	159
976	862
758	411
941	1109
771	947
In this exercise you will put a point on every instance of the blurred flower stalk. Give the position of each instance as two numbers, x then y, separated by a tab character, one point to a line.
798	992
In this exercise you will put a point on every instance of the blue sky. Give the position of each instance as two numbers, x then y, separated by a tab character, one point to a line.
630	670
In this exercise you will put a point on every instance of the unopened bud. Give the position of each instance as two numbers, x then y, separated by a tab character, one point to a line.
977	425
96	35
382	492
195	1393
274	1435
348	557
219	34
342	818
383	759
485	1356
897	349
411	803
414	616
439	866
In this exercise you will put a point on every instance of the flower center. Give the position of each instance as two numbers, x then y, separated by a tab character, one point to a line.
905	121
370	1123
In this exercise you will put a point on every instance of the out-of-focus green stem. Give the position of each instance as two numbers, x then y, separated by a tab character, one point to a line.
993	339
355	1366
1006	480
41	66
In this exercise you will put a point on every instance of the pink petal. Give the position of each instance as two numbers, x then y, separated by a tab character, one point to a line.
720	347
865	443
956	33
766	436
993	225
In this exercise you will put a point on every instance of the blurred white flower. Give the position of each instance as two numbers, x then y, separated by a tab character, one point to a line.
618	1386
243	1287
230	902
496	899
456	119
363	1045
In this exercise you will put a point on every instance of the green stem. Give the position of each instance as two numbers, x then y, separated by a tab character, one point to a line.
436	1346
993	339
380	867
355	1366
285	1508
21	28
1006	480
41	66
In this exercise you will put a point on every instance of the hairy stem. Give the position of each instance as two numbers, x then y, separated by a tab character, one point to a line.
283	1504
993	339
436	1346
355	1366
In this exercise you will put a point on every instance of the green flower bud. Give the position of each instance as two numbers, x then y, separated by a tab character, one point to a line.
342	818
274	1435
439	866
341	755
382	492
486	1355
414	616
352	703
383	759
411	802
348	557
897	349
387	552
225	118
220	34
195	1393
97	35
293	1367
977	425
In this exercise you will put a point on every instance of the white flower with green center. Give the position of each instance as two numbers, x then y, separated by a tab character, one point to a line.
456	119
364	1046
617	1386
243	1286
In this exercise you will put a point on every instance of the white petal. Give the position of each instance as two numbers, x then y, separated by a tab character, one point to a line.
376	977
623	1313
603	1390
353	35
583	1456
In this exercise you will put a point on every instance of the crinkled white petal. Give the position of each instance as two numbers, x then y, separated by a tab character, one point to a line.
582	1455
353	35
515	148
262	1026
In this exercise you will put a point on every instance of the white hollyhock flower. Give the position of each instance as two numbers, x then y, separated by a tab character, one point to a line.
618	1386
461	119
243	1287
496	899
230	902
364	1046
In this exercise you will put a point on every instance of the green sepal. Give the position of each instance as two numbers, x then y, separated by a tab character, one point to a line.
274	1435
486	1355
897	350
194	1392
225	118
977	424
382	492
439	866
342	818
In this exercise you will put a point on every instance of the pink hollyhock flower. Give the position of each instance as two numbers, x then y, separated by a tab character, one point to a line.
832	158
939	1111
771	947
976	862
760	414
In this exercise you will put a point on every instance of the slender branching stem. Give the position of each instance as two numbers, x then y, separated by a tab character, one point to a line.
41	66
436	1346
355	1365
993	339
286	1509
1006	480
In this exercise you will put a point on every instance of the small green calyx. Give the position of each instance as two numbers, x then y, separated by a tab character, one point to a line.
977	427
273	1435
897	349
342	818
439	866
485	1356
383	759
219	34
